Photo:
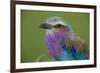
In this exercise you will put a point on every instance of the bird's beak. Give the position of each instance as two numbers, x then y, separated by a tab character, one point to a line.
44	26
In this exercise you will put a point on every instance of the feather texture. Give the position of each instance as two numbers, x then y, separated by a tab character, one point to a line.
62	43
66	46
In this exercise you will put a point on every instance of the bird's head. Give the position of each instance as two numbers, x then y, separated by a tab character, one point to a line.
55	24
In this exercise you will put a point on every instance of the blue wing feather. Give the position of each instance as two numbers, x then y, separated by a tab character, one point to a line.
66	55
72	54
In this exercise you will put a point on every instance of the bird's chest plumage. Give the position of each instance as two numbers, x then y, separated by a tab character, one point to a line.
54	43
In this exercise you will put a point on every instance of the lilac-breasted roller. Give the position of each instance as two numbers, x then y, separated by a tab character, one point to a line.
62	43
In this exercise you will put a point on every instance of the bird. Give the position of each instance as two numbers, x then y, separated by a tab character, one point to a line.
62	43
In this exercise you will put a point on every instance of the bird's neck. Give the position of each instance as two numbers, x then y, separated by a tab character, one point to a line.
59	33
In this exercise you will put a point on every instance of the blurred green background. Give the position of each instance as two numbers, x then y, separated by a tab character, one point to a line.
33	47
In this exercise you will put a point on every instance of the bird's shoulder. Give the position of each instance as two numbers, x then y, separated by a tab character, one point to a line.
76	42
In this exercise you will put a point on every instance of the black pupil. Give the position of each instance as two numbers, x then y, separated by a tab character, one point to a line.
58	26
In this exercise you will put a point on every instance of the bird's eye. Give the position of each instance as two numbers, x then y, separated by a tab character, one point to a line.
58	26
